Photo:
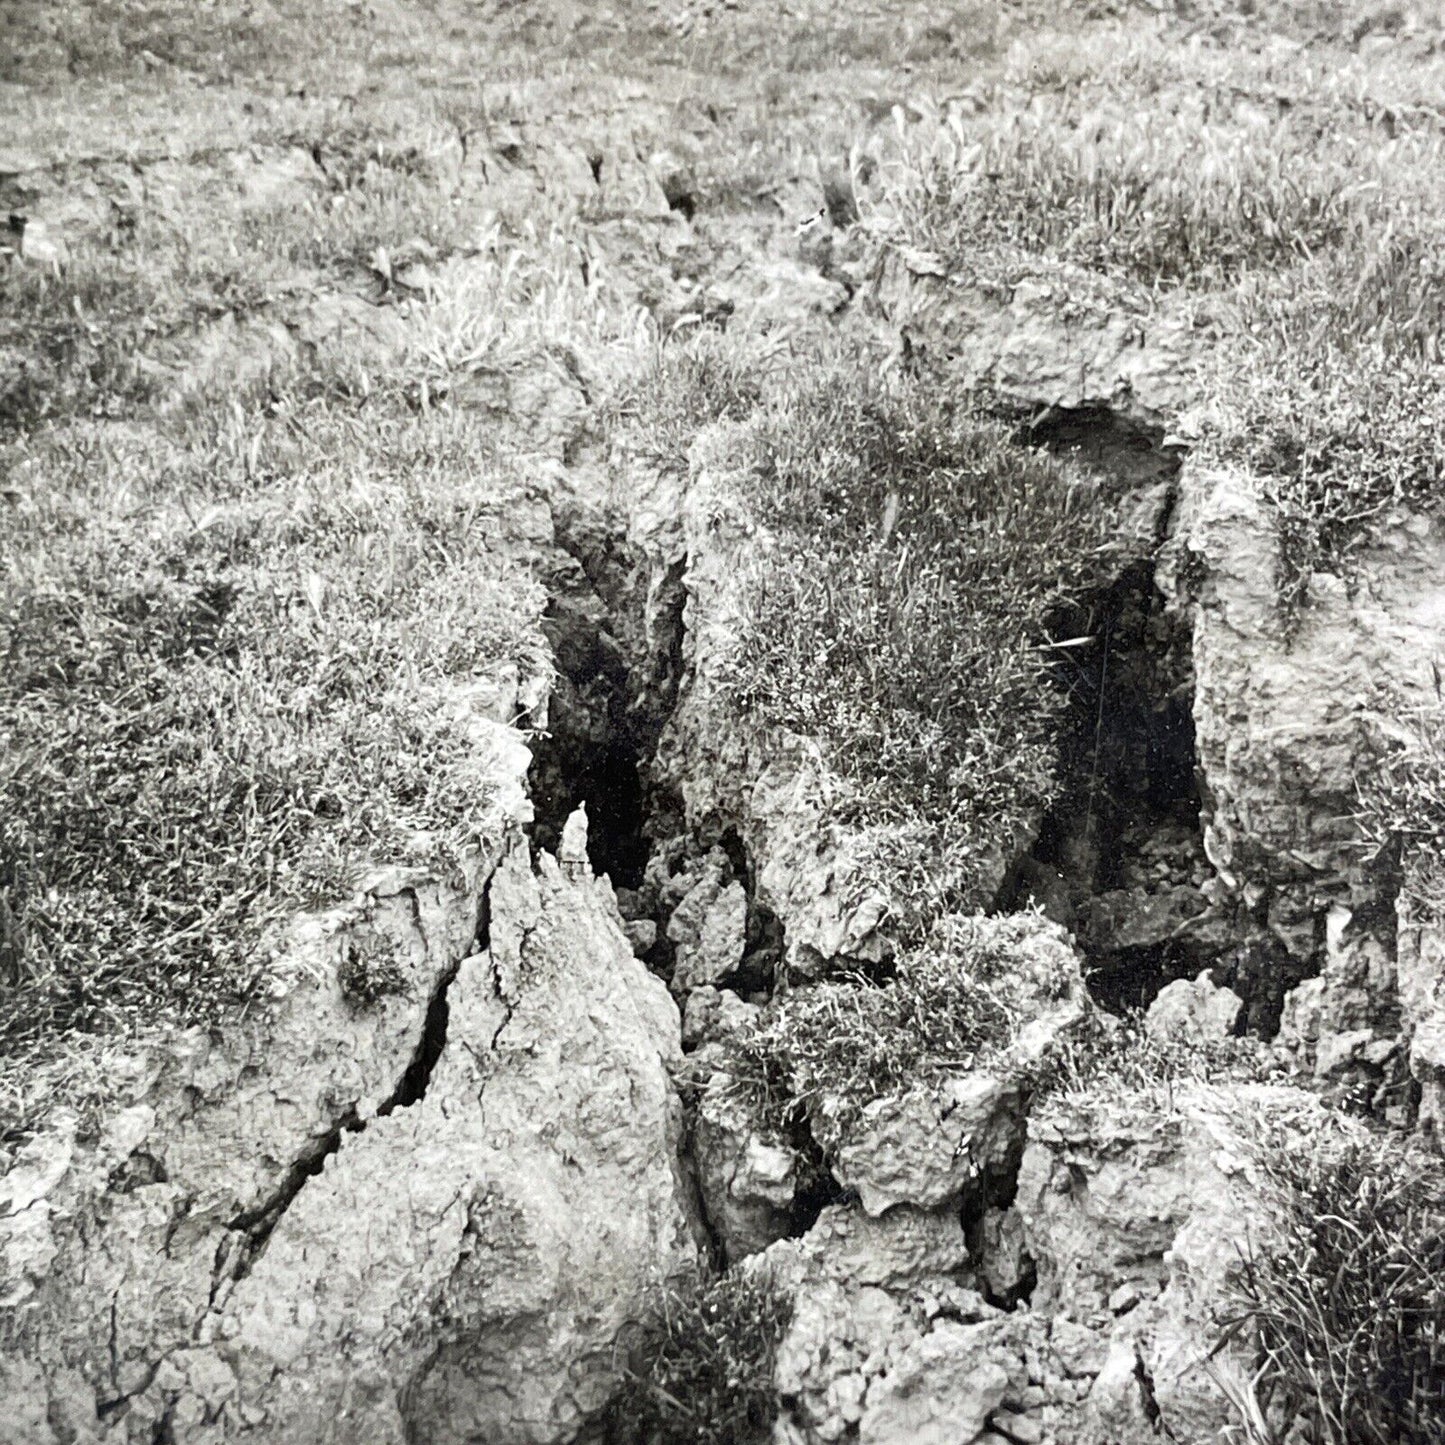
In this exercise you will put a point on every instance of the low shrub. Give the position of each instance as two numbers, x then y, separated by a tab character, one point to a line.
701	1365
1345	1303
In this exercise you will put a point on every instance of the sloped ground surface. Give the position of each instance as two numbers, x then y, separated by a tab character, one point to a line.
367	373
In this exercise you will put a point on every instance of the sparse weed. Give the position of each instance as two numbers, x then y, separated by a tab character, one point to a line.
701	1365
1344	1302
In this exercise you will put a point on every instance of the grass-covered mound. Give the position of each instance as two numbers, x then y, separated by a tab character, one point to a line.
231	668
898	612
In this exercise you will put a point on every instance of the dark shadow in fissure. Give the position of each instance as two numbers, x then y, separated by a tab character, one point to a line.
1119	858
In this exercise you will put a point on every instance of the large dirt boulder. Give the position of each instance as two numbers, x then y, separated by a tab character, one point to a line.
448	1246
1047	334
776	791
1134	1206
1286	723
542	1194
865	1292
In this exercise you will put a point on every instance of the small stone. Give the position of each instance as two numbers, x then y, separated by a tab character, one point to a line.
1080	1350
641	934
572	851
846	1394
712	1013
709	927
1018	1428
1378	1053
41	248
1123	1299
1006	1261
1194	1010
1117	1395
1336	1052
768	1172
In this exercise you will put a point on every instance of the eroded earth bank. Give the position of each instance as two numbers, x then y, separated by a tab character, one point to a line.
857	822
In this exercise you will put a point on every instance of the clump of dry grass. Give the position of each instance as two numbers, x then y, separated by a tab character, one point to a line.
1108	1061
685	386
700	1369
952	1004
1344	1303
1403	797
1154	196
1401	812
517	299
1338	438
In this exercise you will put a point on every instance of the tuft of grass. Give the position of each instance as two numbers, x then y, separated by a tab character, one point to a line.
1402	798
701	1365
1111	1060
1345	1302
1338	440
953	1004
517	299
687	385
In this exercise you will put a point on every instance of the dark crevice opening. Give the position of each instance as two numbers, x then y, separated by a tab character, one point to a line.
1119	858
983	1209
589	756
615	689
1130	454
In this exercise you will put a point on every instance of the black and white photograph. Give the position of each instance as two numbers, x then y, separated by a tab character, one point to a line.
722	722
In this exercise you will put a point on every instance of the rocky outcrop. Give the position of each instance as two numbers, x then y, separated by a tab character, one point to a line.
543	1195
1285	727
120	1240
865	1292
1134	1208
891	1342
1046	334
440	1244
